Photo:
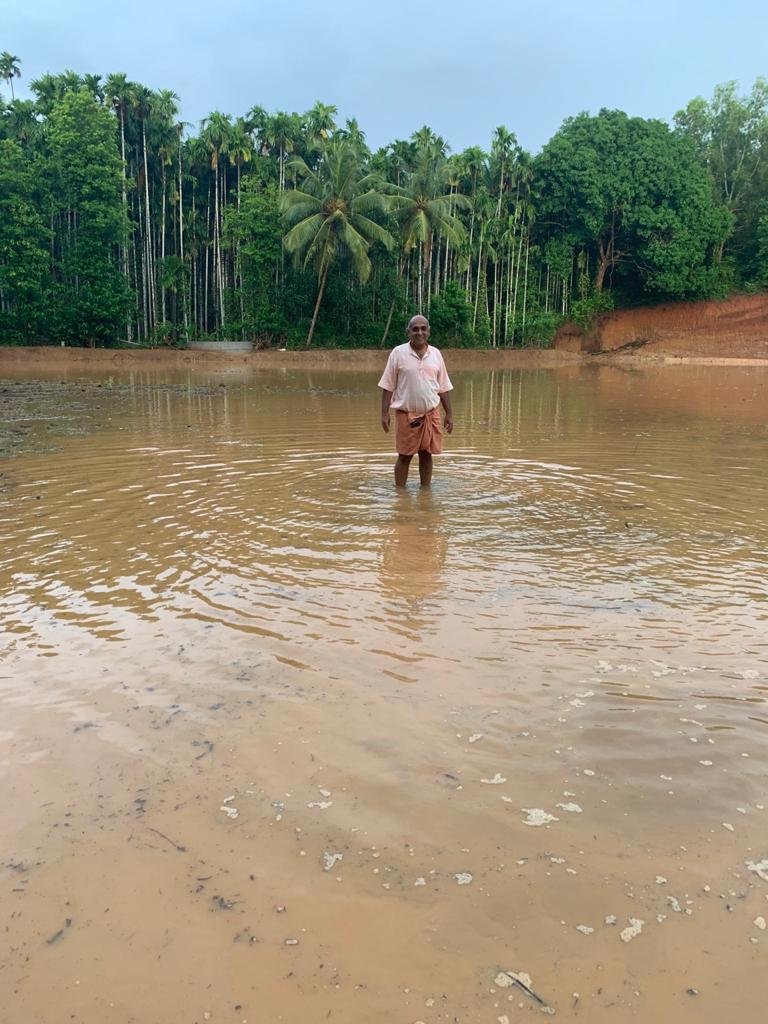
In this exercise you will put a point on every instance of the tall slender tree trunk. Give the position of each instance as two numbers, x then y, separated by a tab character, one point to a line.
517	283
467	286
477	280
400	269
123	243
184	294
420	302
507	305
525	289
223	185
323	279
162	250
152	304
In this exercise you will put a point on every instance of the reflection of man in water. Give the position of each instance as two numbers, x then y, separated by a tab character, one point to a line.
415	383
413	553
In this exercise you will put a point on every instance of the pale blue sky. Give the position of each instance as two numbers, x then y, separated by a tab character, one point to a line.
460	68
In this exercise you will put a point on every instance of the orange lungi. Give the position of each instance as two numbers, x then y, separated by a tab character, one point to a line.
427	436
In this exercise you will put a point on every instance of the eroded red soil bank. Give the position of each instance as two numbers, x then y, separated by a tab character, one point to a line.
736	328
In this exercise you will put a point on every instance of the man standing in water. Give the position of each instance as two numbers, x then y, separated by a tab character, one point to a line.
415	383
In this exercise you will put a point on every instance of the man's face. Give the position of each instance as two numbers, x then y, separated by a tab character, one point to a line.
418	331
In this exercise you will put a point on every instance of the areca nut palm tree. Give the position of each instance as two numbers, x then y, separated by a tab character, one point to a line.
327	215
10	68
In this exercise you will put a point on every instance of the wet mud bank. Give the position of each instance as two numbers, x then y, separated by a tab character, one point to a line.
48	360
735	329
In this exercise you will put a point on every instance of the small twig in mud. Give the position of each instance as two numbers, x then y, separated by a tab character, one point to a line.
60	933
176	846
172	715
203	743
528	991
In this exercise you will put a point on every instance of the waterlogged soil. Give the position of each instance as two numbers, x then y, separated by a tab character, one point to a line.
279	743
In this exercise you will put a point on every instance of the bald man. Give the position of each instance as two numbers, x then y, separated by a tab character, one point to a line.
415	384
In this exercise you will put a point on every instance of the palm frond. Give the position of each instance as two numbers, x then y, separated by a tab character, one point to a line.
358	249
372	231
301	236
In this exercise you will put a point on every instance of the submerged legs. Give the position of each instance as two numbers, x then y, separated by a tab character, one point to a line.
403	464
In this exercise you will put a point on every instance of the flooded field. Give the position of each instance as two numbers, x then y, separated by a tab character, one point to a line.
279	743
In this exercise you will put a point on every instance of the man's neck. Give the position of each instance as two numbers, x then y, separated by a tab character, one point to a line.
421	350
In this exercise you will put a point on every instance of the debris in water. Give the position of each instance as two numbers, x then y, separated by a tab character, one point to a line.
222	903
760	868
584	929
611	919
634	928
322	805
570	807
463	877
497	780
475	737
707	764
537	816
60	933
661	880
675	904
728	825
329	859
231	812
291	942
759	922
420	881
448	779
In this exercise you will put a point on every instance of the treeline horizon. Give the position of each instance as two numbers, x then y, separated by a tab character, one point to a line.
120	224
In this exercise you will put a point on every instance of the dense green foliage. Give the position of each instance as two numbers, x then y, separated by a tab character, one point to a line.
118	224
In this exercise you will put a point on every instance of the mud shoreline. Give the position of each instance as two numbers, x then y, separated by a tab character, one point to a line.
54	360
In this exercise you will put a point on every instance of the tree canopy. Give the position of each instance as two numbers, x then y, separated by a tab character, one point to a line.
120	223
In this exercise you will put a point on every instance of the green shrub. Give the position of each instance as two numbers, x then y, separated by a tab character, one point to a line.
584	312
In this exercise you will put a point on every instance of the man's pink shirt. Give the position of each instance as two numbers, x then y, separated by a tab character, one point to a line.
416	384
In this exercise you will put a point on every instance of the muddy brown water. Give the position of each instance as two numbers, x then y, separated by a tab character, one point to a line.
281	744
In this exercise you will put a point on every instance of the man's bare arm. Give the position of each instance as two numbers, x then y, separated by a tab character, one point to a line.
445	400
386	398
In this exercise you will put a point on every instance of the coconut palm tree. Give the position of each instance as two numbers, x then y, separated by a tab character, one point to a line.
327	215
10	68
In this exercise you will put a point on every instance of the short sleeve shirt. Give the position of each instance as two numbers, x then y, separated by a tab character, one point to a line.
416	383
